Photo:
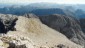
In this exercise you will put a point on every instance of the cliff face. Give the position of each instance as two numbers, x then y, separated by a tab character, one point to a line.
66	25
31	33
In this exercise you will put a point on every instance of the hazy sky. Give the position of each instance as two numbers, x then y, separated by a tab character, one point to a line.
51	1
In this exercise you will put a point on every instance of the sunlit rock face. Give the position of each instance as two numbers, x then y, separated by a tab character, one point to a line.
31	33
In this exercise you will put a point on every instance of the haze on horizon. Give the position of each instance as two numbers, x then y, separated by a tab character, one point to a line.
37	1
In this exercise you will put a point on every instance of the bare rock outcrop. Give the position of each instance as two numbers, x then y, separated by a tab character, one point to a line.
30	15
11	41
7	22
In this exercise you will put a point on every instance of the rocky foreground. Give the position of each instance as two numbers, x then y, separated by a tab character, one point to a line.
29	32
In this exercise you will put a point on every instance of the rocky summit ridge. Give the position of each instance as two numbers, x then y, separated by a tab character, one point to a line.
32	32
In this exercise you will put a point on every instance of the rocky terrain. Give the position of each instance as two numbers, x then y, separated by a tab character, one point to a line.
7	22
69	26
31	31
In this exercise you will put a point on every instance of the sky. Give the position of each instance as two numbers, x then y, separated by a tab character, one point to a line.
50	1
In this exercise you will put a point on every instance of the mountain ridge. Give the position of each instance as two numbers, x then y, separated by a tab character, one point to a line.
32	33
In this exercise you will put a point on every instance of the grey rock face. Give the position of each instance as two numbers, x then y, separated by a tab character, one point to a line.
8	22
67	25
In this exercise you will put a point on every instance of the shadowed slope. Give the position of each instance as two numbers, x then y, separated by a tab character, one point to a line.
67	25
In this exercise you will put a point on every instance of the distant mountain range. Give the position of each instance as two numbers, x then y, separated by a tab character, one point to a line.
39	9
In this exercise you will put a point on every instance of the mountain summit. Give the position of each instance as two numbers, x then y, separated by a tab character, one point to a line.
31	33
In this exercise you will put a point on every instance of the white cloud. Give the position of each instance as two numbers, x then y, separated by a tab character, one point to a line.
53	1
